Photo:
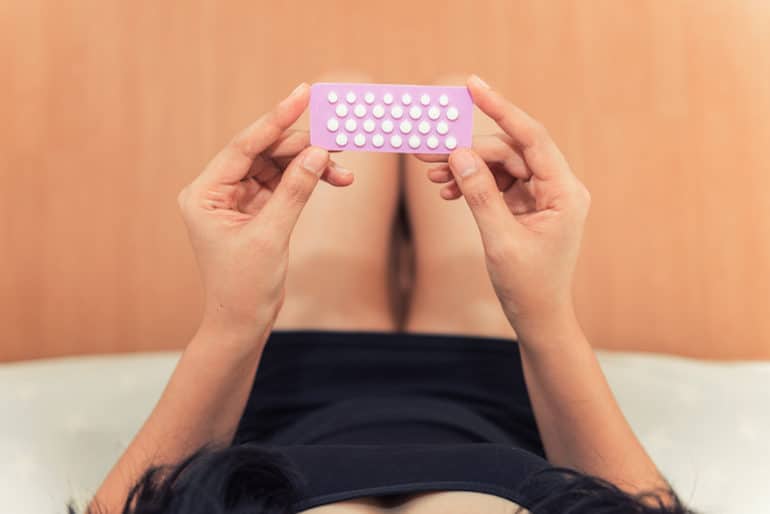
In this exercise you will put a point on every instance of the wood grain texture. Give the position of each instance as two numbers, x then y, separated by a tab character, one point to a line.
109	108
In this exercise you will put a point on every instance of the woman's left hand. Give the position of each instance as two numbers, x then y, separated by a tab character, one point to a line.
240	212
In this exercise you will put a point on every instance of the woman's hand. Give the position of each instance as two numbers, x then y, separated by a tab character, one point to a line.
532	231
240	213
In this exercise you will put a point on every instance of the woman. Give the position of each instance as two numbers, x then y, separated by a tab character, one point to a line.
464	408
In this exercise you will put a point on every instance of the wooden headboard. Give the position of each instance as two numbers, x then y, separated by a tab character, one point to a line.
109	108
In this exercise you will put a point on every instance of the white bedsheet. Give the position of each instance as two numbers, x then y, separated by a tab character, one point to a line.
63	422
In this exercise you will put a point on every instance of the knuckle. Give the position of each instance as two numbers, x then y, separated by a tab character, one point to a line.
498	251
296	191
479	198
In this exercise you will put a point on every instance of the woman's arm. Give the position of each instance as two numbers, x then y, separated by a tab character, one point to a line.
579	420
201	405
531	235
239	212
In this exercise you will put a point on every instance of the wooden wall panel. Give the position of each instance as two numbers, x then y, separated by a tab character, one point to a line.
109	108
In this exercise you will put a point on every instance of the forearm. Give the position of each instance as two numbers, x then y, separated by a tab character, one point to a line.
579	420
201	405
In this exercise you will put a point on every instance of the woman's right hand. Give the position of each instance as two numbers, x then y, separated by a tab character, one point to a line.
532	231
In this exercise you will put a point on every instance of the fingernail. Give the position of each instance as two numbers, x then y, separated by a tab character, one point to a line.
464	162
315	160
298	89
479	82
341	169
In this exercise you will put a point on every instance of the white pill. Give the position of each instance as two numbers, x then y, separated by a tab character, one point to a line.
388	98
359	140
341	139
406	99
332	97
333	124
350	97
378	140
424	127
405	126
442	127
369	97
397	111
432	142
341	110
359	110
443	100
450	142
369	125
395	141
415	112
387	126
425	99
452	113
378	111
434	112
350	125
414	142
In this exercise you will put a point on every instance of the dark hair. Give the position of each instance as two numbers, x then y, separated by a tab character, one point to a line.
250	479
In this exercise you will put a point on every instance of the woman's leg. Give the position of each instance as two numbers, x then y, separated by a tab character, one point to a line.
451	292
338	261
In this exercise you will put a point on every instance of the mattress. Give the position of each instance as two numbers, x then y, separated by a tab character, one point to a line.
64	422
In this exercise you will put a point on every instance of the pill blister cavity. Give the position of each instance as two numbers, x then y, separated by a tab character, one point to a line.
388	98
432	142
387	126
406	99
395	141
452	113
341	110
350	125
434	113
414	142
442	127
332	97
341	139
378	111
359	110
369	97
425	99
443	100
369	125
359	140
450	142
424	127
415	112
333	124
350	97
378	140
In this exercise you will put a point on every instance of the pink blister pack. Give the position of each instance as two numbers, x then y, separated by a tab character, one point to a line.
390	117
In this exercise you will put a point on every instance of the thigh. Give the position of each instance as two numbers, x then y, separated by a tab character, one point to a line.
338	262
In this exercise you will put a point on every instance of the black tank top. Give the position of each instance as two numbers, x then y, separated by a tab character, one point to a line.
373	414
398	445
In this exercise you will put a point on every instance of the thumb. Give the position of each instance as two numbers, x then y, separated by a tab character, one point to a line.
294	189
478	186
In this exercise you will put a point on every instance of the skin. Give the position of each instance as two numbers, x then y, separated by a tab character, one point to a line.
505	265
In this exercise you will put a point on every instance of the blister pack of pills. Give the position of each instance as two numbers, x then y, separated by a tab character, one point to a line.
390	117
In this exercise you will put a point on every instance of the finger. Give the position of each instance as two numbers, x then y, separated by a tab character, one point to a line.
475	181
450	191
499	149
337	175
289	144
232	163
294	189
538	149
440	174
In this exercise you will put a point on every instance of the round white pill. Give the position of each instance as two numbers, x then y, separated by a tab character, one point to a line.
378	140
414	142
350	97
452	113
387	126
442	127
432	142
378	111
369	125
450	142
415	112
341	110
423	127
333	124
359	140
332	97
434	112
405	126
443	100
359	110
406	99
369	97
395	141
425	99
388	98
397	111
341	139
350	125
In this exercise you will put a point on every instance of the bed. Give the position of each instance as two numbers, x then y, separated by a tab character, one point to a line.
65	421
